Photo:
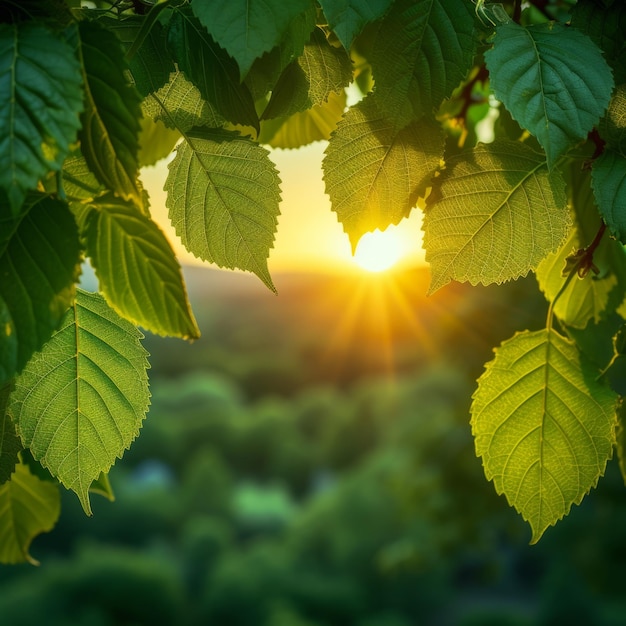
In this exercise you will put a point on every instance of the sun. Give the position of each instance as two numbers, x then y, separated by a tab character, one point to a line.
378	251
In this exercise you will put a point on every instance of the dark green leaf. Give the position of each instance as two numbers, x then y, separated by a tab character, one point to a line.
423	50
606	27
612	127
223	194
248	28
10	444
80	402
137	269
210	69
39	264
553	80
348	17
609	188
109	137
40	101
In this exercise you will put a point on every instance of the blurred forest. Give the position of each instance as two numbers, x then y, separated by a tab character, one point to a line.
309	462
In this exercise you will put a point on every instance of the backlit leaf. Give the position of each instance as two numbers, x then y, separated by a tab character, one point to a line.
496	212
80	402
179	105
109	136
137	269
543	425
28	507
423	50
552	79
374	173
348	17
40	101
223	194
39	264
248	28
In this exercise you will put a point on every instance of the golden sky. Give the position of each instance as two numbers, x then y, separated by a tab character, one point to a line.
309	237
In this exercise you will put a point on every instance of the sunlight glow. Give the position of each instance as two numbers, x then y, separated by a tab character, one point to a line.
378	251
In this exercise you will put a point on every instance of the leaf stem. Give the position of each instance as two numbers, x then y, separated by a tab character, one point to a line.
583	263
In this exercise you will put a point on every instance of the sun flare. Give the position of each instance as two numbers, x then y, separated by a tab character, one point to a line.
378	251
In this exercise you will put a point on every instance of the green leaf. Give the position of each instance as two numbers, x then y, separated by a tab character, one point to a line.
309	81
612	127
248	28
543	426
347	18
223	194
552	79
210	69
374	173
39	264
28	507
156	142
109	137
79	182
315	124
137	269
423	50
40	101
10	444
606	27
80	402
496	212
621	439
609	188
179	105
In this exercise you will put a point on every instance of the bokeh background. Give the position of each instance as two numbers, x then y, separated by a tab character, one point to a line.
309	462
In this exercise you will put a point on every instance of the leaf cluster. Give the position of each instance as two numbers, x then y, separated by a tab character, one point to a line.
92	94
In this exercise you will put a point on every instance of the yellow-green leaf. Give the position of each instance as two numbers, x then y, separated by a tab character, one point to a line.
543	424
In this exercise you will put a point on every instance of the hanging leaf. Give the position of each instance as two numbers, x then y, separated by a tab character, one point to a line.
495	214
39	264
80	402
543	426
423	50
552	79
348	17
137	269
109	136
210	69
612	126
40	101
247	28
374	173
223	194
28	507
609	188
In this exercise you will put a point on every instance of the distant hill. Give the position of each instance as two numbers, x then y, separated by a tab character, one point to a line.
337	327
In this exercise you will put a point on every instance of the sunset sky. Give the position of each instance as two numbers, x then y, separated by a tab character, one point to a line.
309	237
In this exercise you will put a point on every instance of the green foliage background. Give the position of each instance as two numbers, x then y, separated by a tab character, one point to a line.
93	93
